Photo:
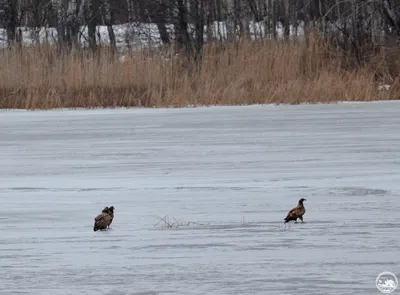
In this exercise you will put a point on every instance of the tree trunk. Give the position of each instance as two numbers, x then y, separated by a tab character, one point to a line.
273	17
60	11
391	15
182	35
286	23
157	14
130	10
72	23
162	30
10	19
199	19
108	21
91	23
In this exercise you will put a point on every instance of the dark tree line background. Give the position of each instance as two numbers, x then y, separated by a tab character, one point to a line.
351	24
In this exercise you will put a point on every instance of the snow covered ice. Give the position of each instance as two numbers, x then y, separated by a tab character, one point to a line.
233	171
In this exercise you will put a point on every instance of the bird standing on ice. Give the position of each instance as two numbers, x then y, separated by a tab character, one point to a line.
296	212
104	219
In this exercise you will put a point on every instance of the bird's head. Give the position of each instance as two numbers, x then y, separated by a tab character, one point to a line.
111	208
302	200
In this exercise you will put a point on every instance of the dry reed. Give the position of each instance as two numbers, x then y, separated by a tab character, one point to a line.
231	74
166	222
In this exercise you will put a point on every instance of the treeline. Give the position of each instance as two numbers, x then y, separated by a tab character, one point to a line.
351	24
231	52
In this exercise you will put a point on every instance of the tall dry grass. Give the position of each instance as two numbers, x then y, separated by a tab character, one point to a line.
231	74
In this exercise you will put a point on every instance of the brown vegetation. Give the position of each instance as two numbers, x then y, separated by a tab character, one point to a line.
248	72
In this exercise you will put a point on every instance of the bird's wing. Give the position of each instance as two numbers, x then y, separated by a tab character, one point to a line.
101	216
102	220
292	212
300	211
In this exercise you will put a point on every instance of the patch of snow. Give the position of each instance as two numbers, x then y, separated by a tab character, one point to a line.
384	87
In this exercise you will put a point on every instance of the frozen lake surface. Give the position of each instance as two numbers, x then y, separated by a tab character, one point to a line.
233	171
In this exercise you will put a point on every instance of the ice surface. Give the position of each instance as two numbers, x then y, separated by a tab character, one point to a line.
236	171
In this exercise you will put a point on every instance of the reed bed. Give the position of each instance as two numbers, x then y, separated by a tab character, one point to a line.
246	72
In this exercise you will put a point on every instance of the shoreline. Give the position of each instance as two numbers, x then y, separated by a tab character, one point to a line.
193	107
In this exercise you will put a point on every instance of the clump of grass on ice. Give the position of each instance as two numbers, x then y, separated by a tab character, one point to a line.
167	222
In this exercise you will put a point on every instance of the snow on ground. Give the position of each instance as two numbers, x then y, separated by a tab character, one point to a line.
234	171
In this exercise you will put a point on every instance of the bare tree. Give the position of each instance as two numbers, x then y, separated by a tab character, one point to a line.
392	14
9	12
73	22
90	13
108	20
60	9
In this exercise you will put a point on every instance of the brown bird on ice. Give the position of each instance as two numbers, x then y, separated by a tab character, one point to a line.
110	211
296	212
104	219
